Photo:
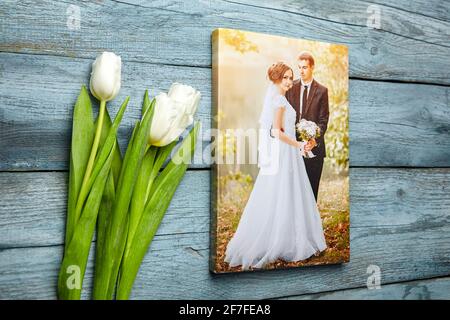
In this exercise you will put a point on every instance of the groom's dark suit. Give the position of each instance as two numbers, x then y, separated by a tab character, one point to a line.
316	110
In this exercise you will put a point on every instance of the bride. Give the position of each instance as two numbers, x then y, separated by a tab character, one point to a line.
281	219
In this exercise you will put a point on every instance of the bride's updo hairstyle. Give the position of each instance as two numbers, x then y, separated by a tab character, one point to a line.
276	71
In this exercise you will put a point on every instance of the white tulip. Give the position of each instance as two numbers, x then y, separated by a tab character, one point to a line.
105	76
174	112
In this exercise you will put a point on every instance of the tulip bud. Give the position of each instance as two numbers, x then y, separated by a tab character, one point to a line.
105	76
174	112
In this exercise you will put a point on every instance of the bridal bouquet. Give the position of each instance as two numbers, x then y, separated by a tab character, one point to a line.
308	130
124	198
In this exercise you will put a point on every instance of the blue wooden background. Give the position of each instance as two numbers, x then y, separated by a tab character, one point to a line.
399	130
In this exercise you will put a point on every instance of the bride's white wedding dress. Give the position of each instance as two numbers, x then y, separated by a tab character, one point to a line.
281	218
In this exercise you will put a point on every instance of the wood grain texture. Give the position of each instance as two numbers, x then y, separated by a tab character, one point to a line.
428	8
399	117
33	210
435	289
406	21
178	33
389	122
390	227
177	268
36	123
381	198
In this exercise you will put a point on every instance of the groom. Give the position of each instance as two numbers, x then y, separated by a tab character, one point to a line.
310	101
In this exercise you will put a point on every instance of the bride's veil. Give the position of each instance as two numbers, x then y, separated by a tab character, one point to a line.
266	117
268	147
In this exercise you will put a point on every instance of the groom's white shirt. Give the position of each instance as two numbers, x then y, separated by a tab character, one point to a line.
303	84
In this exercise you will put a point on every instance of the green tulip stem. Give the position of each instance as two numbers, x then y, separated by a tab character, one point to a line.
87	174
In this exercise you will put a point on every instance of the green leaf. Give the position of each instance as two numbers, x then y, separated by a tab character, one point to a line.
77	251
146	104
109	141
101	157
77	247
165	186
140	191
105	213
118	227
82	136
128	151
104	216
147	174
163	153
117	157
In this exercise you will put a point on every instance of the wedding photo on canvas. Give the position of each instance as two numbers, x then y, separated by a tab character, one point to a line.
280	176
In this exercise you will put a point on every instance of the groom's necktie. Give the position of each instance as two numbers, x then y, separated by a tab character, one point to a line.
304	99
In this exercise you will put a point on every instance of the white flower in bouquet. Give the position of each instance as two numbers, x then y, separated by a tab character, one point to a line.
308	130
311	131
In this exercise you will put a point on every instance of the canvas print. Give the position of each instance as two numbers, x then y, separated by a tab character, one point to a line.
280	185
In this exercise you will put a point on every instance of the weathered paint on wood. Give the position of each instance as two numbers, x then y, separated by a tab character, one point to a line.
399	216
178	33
34	204
33	210
429	9
390	227
389	122
436	289
36	123
394	19
177	267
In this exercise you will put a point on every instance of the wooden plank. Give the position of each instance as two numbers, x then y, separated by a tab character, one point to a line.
395	118
399	221
36	122
33	210
381	198
177	268
401	19
389	122
429	289
437	9
179	34
400	199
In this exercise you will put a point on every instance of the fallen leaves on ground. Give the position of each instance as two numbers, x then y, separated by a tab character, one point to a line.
334	210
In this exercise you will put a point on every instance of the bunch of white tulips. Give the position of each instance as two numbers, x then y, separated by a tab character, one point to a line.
126	198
